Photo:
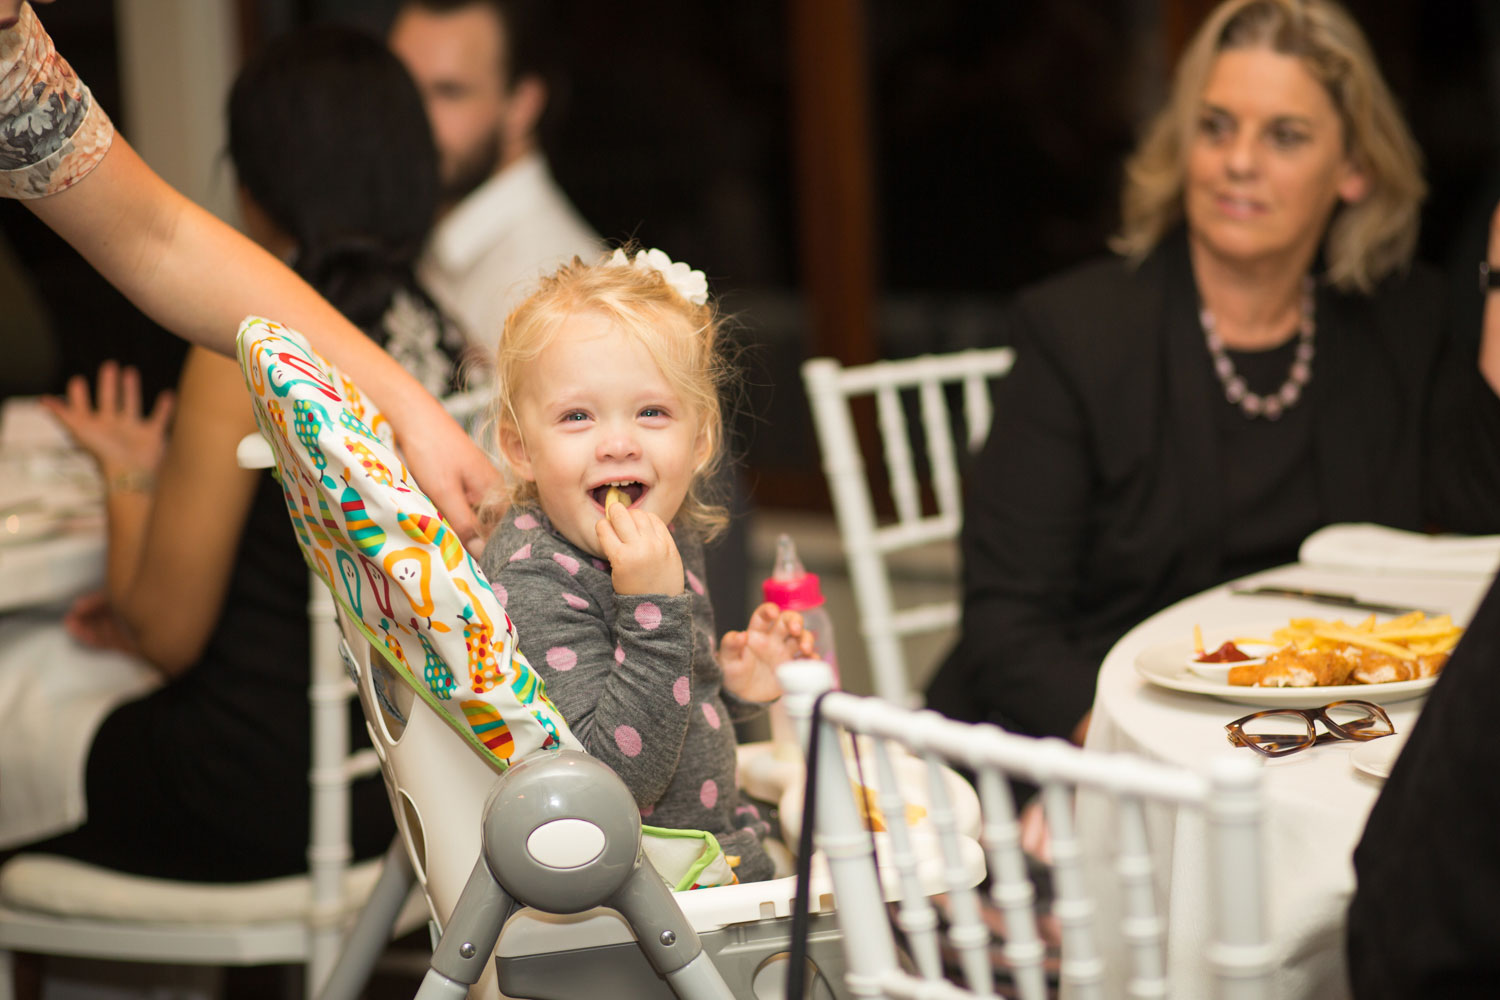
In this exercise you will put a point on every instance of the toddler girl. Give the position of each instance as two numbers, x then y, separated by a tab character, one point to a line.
610	424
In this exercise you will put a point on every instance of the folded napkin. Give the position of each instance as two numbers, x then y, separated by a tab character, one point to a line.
24	425
1373	548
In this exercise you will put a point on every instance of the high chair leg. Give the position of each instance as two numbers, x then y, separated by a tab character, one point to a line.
468	942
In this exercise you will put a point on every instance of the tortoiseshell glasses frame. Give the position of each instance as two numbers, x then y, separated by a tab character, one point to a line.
1350	720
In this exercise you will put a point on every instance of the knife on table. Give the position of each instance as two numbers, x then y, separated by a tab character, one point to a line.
1325	597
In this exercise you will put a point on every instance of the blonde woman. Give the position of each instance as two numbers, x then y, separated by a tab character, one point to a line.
1260	359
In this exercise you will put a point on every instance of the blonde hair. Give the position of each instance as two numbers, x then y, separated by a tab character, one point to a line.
1366	240
685	340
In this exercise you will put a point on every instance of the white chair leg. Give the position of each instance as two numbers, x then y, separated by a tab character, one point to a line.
7	975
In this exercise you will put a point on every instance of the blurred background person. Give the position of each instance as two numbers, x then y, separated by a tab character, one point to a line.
505	222
205	583
1261	359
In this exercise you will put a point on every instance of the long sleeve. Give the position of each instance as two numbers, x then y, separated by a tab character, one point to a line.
614	670
1025	529
52	131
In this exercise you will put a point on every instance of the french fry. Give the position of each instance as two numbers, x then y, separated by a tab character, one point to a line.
1406	637
1355	637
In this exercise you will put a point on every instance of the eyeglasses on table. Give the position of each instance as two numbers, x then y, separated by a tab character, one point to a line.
1276	732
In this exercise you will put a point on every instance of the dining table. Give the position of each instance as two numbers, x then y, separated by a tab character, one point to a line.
1315	801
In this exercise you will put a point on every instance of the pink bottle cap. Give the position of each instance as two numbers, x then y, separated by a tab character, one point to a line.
794	595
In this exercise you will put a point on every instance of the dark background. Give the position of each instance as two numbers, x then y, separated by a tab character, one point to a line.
997	133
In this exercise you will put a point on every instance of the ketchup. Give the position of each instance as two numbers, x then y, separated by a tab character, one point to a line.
1227	653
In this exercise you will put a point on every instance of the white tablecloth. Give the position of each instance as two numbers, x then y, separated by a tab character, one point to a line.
1316	801
54	692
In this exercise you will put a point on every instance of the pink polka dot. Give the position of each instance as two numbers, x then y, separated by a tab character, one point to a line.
647	811
524	552
628	740
647	615
561	658
711	714
694	582
567	562
575	602
709	794
501	594
619	654
682	690
526	522
600	564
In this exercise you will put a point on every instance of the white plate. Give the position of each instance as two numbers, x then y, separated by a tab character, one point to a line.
1165	665
1377	757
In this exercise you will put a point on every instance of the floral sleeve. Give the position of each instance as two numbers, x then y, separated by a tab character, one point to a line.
51	131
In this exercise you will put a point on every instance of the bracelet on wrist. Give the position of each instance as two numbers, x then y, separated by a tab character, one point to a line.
130	481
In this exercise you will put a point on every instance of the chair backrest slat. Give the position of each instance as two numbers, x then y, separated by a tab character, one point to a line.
1010	886
900	466
1082	966
916	917
967	931
1143	929
940	455
978	409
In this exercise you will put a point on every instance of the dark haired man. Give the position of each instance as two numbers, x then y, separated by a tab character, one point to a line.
504	221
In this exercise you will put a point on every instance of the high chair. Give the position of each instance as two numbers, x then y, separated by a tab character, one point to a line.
495	805
1227	798
868	545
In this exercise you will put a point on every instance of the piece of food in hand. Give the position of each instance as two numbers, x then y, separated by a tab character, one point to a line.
616	495
869	809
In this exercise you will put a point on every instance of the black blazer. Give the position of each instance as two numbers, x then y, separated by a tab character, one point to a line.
1092	505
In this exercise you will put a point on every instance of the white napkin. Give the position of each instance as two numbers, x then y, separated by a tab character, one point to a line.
1373	548
25	426
54	693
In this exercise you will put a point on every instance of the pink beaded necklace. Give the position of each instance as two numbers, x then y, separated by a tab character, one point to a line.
1272	405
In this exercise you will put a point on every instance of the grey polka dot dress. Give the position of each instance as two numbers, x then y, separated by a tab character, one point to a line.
636	677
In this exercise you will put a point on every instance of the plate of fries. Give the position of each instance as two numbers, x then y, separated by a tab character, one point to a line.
1318	661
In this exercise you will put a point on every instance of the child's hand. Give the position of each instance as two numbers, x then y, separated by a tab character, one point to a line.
642	554
749	659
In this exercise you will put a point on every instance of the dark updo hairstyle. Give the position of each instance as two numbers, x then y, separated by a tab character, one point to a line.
329	137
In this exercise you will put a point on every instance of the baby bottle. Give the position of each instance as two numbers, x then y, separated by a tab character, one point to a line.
792	588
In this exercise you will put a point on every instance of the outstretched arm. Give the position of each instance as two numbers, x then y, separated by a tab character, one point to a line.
199	278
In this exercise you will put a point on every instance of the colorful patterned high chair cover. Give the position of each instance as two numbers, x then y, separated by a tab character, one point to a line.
363	524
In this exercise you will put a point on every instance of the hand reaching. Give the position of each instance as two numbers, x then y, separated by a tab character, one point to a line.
749	659
112	429
642	554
